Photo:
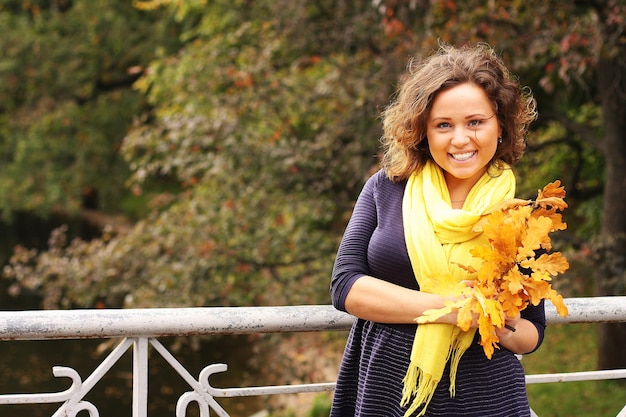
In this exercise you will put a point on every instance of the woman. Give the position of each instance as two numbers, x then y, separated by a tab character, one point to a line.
456	127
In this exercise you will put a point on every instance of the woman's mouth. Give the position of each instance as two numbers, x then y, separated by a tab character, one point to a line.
462	156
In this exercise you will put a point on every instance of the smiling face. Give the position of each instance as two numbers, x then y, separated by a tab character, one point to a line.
462	131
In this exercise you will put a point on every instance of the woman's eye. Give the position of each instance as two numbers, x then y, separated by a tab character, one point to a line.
443	125
474	123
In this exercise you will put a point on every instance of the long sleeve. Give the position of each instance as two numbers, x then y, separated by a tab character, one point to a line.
373	243
537	316
351	261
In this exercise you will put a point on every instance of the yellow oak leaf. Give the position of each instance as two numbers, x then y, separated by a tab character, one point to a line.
536	237
467	268
493	309
488	337
488	255
505	242
557	300
552	263
466	315
536	289
508	205
512	281
512	305
553	189
553	215
434	314
552	202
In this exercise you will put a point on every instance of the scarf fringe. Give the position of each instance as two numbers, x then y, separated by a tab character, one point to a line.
421	386
454	366
421	392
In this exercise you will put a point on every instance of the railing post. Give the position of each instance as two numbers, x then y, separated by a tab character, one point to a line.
140	377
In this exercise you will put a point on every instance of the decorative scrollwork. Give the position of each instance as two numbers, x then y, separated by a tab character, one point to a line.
202	394
72	410
206	372
189	397
69	408
47	398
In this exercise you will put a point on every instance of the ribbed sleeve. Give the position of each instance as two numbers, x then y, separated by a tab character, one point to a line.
351	261
373	243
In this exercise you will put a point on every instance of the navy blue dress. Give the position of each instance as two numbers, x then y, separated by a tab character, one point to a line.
377	355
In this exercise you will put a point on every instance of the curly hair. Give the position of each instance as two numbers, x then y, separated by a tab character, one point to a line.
405	146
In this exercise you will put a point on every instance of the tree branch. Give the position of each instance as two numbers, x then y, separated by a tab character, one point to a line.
575	191
585	132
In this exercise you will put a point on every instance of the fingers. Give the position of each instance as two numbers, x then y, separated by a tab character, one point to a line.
512	321
509	327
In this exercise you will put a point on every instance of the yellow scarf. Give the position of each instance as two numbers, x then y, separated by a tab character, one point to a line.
436	236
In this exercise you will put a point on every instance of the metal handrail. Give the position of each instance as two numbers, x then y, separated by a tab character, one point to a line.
140	329
159	322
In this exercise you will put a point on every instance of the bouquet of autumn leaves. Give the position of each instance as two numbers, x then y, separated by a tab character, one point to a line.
517	265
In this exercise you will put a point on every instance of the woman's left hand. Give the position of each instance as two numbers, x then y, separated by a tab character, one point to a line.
510	326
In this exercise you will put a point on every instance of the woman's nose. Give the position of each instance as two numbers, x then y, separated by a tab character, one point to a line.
460	137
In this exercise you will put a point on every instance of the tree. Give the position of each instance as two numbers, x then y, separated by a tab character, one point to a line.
573	56
263	131
66	101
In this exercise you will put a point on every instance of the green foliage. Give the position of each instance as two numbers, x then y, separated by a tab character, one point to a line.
554	152
65	101
70	146
320	407
571	348
265	139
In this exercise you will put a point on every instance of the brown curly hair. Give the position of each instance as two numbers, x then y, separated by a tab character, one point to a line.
405	146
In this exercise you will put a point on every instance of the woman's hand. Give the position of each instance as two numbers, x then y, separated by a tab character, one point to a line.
521	340
510	327
452	316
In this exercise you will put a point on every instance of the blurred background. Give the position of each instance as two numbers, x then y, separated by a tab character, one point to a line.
176	153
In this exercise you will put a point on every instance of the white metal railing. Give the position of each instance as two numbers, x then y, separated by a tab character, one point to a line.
141	329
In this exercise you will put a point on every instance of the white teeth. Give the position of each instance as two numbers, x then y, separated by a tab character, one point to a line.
463	156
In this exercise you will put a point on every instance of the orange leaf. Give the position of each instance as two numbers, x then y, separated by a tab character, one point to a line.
466	315
536	237
553	189
467	268
434	314
508	205
488	337
557	300
550	263
513	281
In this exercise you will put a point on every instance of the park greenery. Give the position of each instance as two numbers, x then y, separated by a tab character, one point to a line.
218	145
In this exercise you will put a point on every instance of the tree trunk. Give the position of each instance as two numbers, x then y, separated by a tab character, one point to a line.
610	249
610	265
